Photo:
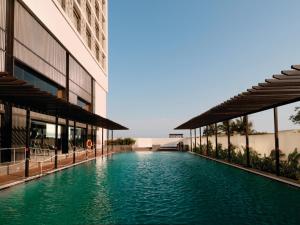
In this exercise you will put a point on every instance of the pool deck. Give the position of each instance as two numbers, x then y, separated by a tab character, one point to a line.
8	181
254	171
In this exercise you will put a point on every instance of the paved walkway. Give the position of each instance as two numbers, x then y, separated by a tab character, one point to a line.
39	169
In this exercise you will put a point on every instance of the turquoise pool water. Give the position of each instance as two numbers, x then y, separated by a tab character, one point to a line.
151	188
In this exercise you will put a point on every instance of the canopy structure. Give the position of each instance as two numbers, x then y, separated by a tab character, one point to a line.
20	94
282	89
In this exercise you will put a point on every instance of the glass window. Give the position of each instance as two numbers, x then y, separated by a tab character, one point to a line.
103	61
88	38
32	78
82	103
97	31
97	53
63	4
42	135
97	9
88	13
77	20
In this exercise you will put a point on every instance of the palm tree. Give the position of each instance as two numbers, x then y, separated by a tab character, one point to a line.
224	127
296	118
240	126
209	130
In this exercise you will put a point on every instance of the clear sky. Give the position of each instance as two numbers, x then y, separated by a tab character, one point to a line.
170	60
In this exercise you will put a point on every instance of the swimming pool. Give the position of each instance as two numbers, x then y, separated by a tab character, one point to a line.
151	188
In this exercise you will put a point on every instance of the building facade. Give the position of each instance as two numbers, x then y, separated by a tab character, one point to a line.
61	47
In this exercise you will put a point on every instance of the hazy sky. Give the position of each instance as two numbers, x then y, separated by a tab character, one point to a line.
170	60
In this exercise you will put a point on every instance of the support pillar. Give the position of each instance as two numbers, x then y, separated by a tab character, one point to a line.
74	142
56	141
277	162
95	145
200	138
191	140
207	150
195	139
9	45
228	141
27	149
247	141
65	138
107	140
86	137
112	140
216	139
102	141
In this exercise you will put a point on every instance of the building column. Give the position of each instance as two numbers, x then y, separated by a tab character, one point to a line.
56	141
247	141
86	137
195	131
228	141
112	140
277	153
191	140
207	150
200	138
9	45
27	149
107	140
74	142
65	138
216	139
95	145
102	141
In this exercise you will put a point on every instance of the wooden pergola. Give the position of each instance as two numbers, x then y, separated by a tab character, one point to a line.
282	89
23	95
20	94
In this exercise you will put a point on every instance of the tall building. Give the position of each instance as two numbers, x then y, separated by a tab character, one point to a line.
59	47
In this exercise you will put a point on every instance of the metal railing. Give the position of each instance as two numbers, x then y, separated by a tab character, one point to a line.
43	160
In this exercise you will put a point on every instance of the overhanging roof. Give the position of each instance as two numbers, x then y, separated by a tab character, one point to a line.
22	95
282	89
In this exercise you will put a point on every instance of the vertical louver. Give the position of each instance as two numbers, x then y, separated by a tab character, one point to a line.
37	48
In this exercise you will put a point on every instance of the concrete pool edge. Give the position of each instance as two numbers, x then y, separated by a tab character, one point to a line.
249	170
35	177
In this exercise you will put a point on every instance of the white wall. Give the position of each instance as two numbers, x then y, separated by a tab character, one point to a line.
263	144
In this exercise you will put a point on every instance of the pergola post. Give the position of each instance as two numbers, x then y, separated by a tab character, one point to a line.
86	136
228	140
74	142
56	141
102	143
276	142
200	138
191	140
107	140
27	149
195	139
247	140
207	150
112	140
95	145
216	136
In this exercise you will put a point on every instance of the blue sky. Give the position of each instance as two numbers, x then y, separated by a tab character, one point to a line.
170	60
